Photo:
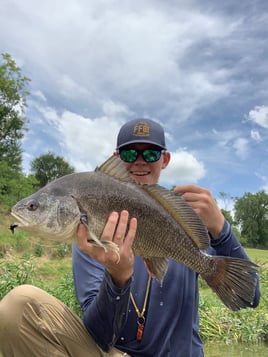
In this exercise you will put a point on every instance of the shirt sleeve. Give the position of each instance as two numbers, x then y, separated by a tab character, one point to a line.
103	304
228	245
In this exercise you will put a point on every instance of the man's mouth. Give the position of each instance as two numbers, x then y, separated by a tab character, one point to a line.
140	173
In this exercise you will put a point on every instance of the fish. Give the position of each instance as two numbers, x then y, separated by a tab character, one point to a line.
168	227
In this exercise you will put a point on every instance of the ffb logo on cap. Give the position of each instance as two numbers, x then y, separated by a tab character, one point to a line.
141	129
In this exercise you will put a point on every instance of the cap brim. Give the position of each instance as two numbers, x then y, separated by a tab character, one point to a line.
140	142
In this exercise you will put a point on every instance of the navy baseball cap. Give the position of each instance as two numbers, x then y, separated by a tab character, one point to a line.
145	131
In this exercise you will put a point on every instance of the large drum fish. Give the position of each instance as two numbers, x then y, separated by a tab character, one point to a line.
167	226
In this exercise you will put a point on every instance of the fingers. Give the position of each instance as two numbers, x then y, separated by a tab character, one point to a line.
198	197
81	234
129	239
118	229
203	203
188	188
110	227
192	192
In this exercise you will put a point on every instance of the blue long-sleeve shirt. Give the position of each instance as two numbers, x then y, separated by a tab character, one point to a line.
172	321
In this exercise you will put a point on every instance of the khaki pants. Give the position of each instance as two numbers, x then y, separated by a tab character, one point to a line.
35	324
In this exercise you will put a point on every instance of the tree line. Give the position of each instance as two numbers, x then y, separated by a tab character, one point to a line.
250	216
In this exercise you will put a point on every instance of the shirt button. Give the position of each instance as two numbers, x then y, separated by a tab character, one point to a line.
117	298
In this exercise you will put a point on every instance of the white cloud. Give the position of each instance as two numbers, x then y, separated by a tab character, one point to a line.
224	138
37	94
88	141
115	110
259	115
84	142
183	167
95	64
255	135
264	179
241	148
90	52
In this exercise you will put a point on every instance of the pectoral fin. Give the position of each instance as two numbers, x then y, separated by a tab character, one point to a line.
93	239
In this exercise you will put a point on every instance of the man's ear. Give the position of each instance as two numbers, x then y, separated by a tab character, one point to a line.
166	159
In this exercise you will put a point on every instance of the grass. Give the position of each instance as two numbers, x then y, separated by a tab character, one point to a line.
51	271
259	256
247	325
216	321
25	259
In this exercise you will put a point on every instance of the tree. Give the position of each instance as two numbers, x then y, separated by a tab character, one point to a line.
48	167
227	201
251	214
13	95
14	187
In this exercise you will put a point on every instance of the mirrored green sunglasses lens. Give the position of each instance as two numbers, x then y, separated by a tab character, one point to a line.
129	155
149	155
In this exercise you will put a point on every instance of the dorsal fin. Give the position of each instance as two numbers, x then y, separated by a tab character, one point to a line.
182	212
115	168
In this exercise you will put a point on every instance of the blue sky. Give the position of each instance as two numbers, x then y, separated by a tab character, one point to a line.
200	68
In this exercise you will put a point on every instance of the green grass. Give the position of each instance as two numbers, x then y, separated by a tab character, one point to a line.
216	321
259	256
247	325
25	259
50	271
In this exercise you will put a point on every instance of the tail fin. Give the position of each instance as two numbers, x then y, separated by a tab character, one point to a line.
234	281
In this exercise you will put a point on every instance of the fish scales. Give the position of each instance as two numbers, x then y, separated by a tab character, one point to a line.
110	195
167	226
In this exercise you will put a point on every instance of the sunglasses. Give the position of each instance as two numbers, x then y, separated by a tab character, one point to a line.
148	155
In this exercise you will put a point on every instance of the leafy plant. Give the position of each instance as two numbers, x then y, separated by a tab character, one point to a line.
15	272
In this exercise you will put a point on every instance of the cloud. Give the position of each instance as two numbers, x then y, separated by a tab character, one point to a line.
146	56
241	148
255	135
264	179
196	68
184	167
259	115
83	141
38	95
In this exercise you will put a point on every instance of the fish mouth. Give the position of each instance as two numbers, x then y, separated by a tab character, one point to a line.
22	222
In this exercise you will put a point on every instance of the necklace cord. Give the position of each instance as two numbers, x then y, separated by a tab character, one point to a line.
142	312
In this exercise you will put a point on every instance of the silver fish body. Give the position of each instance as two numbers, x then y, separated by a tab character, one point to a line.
167	226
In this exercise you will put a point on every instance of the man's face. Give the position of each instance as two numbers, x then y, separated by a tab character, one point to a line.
145	172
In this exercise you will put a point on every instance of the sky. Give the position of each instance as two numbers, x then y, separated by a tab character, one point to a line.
199	68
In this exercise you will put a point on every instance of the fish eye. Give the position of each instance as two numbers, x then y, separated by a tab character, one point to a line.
32	206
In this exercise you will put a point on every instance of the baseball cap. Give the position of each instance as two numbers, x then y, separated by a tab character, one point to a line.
145	131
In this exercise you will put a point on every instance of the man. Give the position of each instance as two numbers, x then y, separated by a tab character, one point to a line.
125	312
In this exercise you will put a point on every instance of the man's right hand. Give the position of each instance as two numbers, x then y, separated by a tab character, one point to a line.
119	266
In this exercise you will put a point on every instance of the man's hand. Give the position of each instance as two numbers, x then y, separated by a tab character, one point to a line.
201	200
120	267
